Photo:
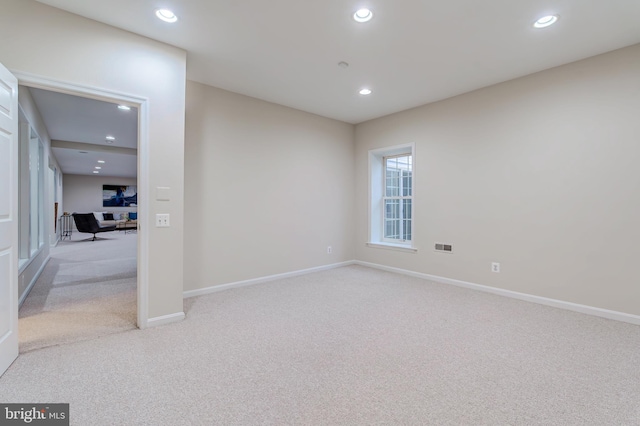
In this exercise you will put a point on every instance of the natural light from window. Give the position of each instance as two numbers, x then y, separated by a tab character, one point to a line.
391	193
398	198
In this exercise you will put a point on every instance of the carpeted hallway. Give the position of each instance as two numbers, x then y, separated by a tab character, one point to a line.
87	290
349	346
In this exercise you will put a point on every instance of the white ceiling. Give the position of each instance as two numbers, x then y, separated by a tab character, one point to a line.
78	127
73	162
411	53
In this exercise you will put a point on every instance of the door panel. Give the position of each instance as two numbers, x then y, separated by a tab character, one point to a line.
8	218
5	294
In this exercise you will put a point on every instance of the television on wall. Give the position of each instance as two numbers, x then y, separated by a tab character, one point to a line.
119	196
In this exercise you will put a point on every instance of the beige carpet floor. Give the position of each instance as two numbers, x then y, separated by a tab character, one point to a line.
350	346
87	290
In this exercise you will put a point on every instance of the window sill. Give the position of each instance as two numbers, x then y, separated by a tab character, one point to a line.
24	263
390	246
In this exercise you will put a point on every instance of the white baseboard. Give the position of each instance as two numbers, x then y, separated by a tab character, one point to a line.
27	290
164	319
222	287
589	310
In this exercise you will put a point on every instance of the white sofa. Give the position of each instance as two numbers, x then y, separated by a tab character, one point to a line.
120	220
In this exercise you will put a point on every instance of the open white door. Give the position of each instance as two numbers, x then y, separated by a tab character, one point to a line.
8	218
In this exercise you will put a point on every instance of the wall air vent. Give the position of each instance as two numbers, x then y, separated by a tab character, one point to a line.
445	248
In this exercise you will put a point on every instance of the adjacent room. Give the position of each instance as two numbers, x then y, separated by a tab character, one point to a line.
346	213
87	288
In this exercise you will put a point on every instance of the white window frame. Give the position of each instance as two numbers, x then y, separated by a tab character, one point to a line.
399	197
376	195
31	216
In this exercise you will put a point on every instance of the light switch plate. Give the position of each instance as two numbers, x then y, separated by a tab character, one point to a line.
162	220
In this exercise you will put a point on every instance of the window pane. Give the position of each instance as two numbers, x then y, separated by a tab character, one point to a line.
392	183
392	219
406	209
406	183
34	162
24	188
407	230
392	209
40	194
398	176
392	229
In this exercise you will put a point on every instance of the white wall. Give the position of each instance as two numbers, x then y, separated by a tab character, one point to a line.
539	174
83	194
267	189
48	42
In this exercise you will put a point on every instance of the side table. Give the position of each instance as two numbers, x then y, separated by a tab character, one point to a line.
65	226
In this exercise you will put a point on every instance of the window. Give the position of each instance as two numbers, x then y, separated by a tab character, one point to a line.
397	198
31	193
391	197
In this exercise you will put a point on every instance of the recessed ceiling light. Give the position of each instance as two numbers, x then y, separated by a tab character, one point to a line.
166	15
343	64
110	138
363	15
96	172
83	152
124	107
365	92
545	21
101	161
98	167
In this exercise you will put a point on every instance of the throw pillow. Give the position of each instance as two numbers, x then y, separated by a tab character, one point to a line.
133	215
98	216
108	216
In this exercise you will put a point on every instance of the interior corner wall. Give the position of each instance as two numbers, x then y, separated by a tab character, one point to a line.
267	188
57	45
83	194
538	173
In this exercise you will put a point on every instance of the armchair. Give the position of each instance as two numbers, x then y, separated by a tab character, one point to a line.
86	222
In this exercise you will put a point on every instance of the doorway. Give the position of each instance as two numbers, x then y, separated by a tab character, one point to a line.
142	288
86	289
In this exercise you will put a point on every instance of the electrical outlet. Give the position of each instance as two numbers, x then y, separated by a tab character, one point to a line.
495	267
329	250
162	220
